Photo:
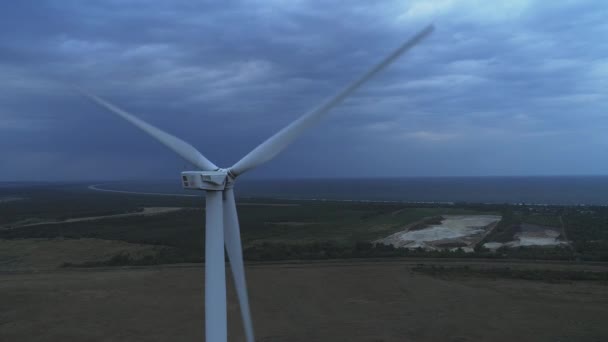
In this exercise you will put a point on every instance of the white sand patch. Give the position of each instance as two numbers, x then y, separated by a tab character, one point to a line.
435	233
548	237
464	249
493	245
419	244
531	235
534	241
452	227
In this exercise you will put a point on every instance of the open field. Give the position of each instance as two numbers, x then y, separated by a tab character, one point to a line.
49	254
326	301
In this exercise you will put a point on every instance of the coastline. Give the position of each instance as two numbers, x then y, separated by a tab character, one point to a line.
97	187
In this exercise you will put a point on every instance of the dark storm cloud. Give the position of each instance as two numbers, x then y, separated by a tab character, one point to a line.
501	88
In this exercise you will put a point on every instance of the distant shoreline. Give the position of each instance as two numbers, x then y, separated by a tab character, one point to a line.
96	187
537	191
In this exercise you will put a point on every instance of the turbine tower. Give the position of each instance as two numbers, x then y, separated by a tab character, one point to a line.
222	225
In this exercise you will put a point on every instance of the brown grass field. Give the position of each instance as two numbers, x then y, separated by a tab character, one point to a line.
321	301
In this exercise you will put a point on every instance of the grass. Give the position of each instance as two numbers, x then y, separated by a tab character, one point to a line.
553	276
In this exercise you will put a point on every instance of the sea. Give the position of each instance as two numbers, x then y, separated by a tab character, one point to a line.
541	190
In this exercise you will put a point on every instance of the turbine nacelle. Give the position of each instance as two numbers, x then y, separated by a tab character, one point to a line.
217	180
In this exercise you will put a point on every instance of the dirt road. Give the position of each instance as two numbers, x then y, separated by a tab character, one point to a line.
145	212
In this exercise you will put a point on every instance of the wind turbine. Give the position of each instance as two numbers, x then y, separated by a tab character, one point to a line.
222	225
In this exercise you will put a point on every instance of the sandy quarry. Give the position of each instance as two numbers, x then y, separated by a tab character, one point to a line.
532	235
453	229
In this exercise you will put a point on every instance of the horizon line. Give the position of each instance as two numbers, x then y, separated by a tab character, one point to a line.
307	178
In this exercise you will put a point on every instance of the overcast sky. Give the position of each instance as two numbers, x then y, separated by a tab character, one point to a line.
518	88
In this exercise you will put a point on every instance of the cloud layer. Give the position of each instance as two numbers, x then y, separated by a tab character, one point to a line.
511	88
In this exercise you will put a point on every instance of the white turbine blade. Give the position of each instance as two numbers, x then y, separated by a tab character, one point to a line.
185	150
215	271
232	239
275	144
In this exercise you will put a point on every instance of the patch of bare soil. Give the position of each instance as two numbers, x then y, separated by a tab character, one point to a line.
368	301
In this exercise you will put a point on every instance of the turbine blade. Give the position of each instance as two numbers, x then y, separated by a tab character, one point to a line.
275	144
232	239
182	148
215	270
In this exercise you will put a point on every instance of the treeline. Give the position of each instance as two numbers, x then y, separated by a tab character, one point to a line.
557	276
164	256
270	251
586	225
